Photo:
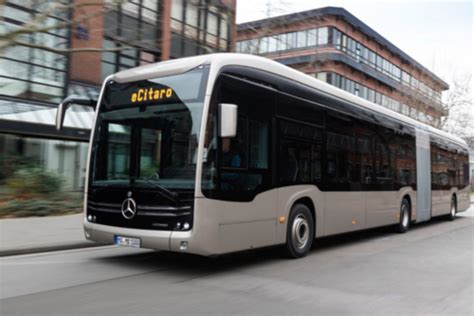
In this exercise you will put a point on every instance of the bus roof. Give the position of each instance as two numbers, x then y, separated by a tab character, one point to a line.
220	60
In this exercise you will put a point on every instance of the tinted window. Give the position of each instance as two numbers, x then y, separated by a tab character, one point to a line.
405	160
343	162
300	153
449	165
238	168
299	109
301	138
383	139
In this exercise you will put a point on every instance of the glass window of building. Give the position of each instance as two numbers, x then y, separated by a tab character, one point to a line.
396	72
323	76
245	47
405	77
323	35
253	46
192	15
312	36
363	92
33	73
379	62
177	9
337	38
263	45
282	43
291	40
357	89
302	38
224	32
272	44
372	58
212	23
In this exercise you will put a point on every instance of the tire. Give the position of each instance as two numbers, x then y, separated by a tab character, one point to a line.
405	218
454	209
300	231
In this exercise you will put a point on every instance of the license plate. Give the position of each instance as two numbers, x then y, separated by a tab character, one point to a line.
127	241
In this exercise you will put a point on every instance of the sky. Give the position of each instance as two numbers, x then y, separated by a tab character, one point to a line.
436	33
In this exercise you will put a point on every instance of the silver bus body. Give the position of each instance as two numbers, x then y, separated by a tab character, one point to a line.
227	226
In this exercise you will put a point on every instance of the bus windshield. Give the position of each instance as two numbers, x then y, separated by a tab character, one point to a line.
147	132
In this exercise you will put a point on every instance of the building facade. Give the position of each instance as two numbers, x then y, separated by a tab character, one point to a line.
43	67
334	46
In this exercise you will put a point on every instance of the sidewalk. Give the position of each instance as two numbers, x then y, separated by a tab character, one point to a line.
39	234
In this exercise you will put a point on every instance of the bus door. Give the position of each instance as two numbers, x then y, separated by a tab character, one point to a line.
243	192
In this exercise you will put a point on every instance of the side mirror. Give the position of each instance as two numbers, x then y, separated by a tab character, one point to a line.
227	120
64	105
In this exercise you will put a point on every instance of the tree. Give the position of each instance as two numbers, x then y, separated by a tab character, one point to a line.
272	8
40	23
459	106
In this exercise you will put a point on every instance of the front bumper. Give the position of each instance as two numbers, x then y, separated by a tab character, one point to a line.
158	240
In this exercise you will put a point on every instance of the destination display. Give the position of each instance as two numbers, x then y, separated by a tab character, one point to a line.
150	94
141	94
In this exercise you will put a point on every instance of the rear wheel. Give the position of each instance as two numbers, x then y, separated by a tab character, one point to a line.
453	210
404	222
300	231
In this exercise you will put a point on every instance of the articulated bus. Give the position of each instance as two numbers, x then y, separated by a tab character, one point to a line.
226	152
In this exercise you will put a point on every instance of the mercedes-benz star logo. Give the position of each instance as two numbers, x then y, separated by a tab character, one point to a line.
129	208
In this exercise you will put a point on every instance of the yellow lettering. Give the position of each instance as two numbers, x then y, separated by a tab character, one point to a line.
150	94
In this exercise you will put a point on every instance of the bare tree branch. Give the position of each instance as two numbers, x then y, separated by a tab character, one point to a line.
71	50
37	25
459	106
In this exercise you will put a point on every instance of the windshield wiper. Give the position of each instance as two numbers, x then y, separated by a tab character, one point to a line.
162	190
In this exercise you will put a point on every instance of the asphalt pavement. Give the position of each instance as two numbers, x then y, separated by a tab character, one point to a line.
429	271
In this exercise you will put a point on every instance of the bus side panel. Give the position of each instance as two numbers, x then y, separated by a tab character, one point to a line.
345	211
228	226
382	208
440	202
464	199
444	202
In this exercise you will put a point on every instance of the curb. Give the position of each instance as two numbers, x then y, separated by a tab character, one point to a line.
46	248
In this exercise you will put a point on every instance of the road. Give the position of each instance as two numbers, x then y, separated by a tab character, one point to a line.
429	270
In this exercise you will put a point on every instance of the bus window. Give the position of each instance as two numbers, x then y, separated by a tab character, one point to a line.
118	147
243	162
150	153
258	137
342	155
295	160
244	157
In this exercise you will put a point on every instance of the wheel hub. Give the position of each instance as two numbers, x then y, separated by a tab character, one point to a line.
300	231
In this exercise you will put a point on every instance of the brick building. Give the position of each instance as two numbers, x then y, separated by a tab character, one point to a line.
333	45
34	80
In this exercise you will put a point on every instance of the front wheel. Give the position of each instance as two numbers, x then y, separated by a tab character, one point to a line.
300	231
404	222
